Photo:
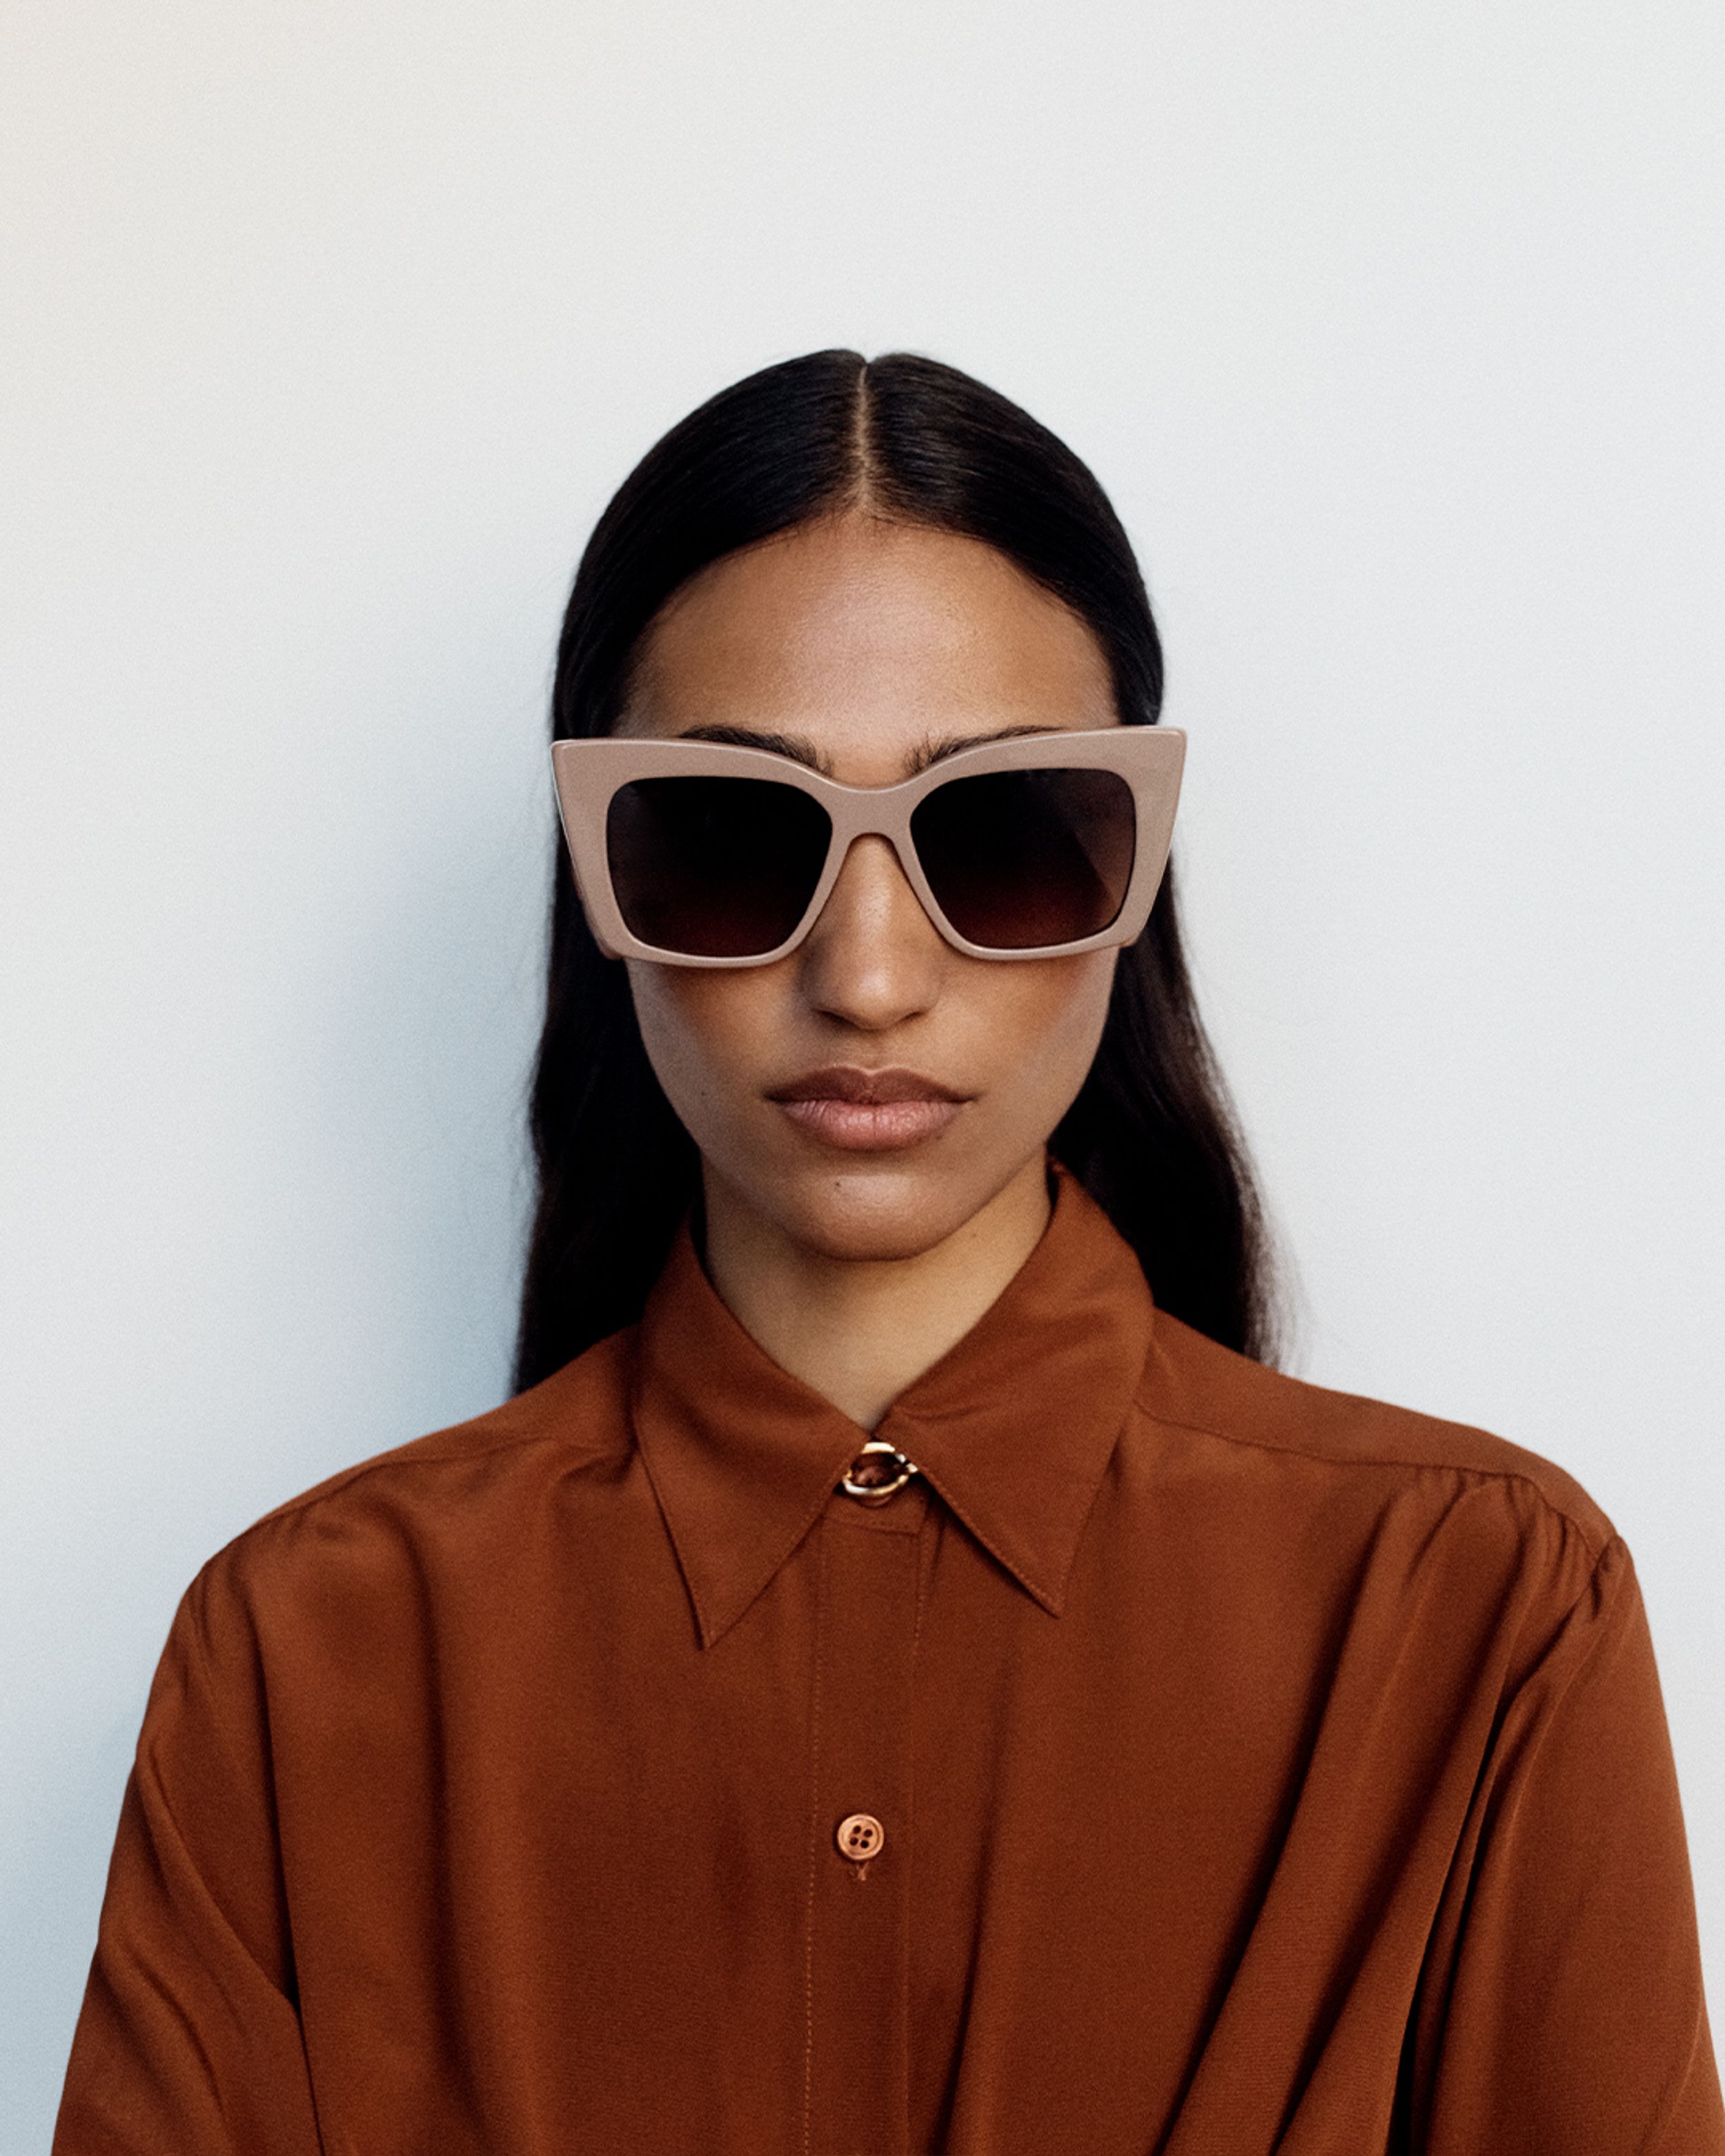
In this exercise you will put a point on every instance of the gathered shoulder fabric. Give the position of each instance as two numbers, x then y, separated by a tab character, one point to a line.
1186	1761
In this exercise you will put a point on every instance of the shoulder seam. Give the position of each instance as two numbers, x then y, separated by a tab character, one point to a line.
344	1479
1595	1551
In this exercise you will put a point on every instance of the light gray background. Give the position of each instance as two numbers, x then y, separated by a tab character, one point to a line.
1395	331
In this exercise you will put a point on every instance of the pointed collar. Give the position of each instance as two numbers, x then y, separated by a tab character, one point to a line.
1013	1428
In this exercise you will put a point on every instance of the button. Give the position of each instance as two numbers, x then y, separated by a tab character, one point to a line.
860	1836
877	1471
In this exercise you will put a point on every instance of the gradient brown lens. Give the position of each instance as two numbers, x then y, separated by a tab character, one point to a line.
714	868
1019	859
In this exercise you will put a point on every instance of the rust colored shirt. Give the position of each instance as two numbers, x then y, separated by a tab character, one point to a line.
1245	1766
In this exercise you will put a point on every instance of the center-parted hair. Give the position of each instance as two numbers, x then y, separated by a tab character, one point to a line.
1151	1134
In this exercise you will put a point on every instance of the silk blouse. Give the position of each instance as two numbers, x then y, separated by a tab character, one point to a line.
1185	1761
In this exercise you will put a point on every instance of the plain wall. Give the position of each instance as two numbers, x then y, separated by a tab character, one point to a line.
1395	332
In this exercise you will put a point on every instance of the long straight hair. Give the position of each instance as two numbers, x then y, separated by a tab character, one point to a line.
1151	1134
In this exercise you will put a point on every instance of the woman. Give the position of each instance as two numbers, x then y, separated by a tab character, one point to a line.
904	1673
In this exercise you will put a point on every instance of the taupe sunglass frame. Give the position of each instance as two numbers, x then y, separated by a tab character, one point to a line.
588	773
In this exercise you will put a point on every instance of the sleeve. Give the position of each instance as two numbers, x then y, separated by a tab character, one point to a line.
1571	2020
188	2042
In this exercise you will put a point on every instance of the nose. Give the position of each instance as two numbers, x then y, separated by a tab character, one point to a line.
873	958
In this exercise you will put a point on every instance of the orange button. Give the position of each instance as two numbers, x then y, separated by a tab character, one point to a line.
860	1836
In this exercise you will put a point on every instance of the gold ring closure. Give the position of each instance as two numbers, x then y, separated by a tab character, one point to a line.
877	1471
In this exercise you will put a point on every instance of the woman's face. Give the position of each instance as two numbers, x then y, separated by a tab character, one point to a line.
870	648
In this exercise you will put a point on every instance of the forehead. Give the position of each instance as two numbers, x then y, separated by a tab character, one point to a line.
868	641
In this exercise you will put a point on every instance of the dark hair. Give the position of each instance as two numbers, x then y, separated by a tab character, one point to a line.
1151	1134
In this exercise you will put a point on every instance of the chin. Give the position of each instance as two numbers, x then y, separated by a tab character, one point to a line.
858	1218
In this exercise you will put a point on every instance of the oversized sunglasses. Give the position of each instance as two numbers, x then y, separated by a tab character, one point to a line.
701	853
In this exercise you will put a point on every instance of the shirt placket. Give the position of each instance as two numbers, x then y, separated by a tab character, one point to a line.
857	2058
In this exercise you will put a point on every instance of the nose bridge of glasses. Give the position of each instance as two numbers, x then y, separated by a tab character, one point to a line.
874	856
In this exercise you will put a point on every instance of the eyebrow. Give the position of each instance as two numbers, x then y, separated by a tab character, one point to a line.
934	749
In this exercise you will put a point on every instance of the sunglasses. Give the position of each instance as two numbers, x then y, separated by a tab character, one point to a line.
701	853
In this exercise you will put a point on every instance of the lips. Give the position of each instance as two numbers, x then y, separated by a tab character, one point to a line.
869	1110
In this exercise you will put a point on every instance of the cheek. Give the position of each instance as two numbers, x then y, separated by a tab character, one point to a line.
1060	1006
702	1031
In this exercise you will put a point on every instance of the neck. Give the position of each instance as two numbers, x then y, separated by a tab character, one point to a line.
859	1331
